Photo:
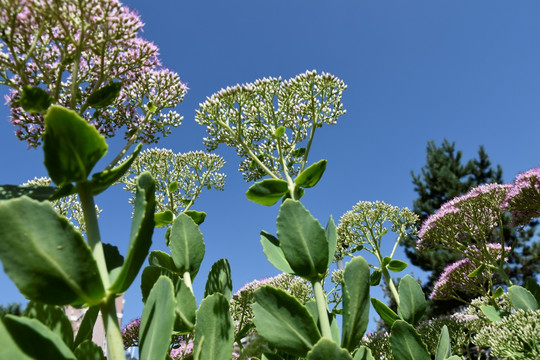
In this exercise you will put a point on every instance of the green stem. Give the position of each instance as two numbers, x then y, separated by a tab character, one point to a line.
390	282
115	344
322	308
187	281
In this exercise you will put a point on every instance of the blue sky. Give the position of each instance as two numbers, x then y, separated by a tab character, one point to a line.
416	71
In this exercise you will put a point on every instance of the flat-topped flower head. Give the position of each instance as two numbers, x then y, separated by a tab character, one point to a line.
271	122
523	198
464	220
75	49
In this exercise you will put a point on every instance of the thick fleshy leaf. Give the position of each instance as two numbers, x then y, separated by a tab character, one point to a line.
444	349
406	344
219	279
492	313
150	276
375	278
214	333
387	314
311	176
397	265
113	259
303	241
35	100
267	192
89	351
533	287
45	256
522	298
197	216
186	244
326	349
284	322
102	180
412	301
71	146
30	338
140	239
160	258
35	192
274	254
479	270
186	308
363	353
163	218
157	320
104	96
53	317
87	326
355	302
331	236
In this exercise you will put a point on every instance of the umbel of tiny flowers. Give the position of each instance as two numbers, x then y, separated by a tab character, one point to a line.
87	56
180	178
272	122
68	206
523	198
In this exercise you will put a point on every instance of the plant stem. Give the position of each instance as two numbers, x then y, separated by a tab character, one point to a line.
322	308
187	281
391	285
115	344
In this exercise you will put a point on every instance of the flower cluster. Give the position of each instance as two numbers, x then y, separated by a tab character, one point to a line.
430	331
181	351
68	206
464	220
130	333
180	178
455	277
77	51
523	198
271	122
366	224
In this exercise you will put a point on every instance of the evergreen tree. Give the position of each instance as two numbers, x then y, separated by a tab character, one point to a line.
444	177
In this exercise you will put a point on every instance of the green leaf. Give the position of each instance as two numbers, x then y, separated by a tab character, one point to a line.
274	254
219	280
140	239
479	270
157	320
492	313
88	350
498	292
267	192
46	257
186	308
363	353
30	339
326	349
35	192
187	245
311	176
102	180
279	131
150	275
355	302
298	193
87	326
533	287
387	314
444	349
105	96
283	321
522	298
215	326
303	241
397	265
160	258
375	278
173	186
163	218
72	146
331	236
299	152
53	317
412	301
406	344
35	100
197	216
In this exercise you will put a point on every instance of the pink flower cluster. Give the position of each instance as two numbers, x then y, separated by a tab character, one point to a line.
523	198
181	351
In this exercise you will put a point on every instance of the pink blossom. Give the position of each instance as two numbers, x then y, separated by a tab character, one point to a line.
523	198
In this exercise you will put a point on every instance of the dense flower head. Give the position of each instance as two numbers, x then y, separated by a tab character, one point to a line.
192	172
523	198
247	117
367	222
182	350
130	333
464	220
72	49
455	278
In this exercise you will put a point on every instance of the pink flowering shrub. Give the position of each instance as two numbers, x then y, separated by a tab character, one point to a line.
523	198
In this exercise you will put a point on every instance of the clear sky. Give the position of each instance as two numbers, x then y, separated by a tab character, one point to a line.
468	71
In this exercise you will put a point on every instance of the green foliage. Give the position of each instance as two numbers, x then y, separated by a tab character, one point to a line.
35	192
104	96
267	192
311	176
274	253
406	343
326	349
186	307
219	280
87	326
522	298
387	314
444	350
412	301
35	100
187	245
89	351
53	317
